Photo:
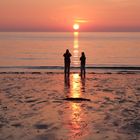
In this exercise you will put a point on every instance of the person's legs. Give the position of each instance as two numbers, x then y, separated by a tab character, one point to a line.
68	69
65	69
81	70
84	70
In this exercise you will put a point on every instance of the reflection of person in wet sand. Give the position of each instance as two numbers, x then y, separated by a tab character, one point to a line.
67	82
82	84
83	62
67	62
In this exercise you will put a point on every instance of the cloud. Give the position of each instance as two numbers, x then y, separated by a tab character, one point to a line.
81	21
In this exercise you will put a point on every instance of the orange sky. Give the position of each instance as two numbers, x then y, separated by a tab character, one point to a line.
60	15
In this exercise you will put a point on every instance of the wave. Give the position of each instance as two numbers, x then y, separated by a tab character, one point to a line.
74	68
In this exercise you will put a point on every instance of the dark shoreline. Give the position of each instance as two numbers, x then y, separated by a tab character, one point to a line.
59	70
61	67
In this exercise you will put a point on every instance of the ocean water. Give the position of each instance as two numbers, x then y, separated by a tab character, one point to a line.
44	50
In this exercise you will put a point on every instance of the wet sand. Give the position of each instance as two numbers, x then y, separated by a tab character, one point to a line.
41	106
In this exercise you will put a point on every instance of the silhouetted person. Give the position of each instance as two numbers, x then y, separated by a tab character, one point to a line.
83	62
67	62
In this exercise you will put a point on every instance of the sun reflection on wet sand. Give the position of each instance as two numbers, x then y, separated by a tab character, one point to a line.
77	118
75	90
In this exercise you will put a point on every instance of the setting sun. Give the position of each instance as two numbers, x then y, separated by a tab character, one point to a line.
76	26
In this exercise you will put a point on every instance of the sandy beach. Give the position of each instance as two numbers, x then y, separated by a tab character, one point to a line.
36	106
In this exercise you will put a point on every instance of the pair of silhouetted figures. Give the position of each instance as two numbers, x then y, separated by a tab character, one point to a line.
67	62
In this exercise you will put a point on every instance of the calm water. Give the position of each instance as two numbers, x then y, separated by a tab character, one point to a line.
46	49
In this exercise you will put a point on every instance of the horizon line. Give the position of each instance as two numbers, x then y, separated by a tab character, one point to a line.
69	31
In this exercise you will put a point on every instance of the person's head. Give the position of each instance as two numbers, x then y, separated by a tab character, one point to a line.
67	50
83	54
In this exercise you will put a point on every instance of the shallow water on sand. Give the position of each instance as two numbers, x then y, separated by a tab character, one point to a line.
32	106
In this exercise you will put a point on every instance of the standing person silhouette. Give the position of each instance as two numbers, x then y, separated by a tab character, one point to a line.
83	62
67	62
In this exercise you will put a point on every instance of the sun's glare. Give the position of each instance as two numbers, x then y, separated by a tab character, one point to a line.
76	26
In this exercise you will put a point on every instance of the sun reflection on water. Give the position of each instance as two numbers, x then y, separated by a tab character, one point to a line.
76	49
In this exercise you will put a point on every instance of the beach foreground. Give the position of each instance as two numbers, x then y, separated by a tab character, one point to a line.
40	106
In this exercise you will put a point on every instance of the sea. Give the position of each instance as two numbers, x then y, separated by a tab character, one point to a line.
43	51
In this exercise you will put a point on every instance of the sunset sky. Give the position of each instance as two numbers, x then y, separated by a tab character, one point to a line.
60	15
